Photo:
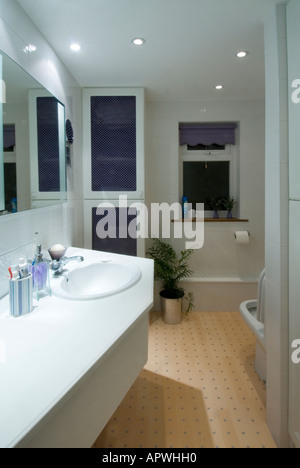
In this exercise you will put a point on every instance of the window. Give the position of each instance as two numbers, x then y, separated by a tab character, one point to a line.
208	170
201	147
205	180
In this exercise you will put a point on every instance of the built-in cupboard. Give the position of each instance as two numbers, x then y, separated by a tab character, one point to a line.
293	40
113	168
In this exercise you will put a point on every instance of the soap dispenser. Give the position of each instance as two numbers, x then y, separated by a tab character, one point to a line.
40	273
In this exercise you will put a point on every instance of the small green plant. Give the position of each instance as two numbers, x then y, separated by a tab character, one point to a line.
229	203
189	297
170	268
214	204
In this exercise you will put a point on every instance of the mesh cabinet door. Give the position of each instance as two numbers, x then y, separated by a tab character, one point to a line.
110	231
48	144
115	226
113	139
113	142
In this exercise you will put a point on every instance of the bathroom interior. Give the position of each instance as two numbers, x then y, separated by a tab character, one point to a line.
224	377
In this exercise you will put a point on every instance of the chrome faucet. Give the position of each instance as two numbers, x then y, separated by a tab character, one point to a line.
57	266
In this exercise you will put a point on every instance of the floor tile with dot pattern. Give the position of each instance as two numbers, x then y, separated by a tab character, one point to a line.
198	389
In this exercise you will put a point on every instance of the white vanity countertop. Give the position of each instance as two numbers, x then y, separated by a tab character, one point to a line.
45	354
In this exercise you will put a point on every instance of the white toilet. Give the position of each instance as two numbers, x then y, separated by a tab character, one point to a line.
253	312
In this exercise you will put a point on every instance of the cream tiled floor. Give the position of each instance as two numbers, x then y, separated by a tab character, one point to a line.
198	389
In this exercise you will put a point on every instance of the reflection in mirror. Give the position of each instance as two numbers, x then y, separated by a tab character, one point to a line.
33	143
2	194
47	148
69	141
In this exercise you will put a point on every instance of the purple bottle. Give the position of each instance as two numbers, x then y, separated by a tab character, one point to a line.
40	271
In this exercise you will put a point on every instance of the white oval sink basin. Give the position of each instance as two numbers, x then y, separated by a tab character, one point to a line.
96	280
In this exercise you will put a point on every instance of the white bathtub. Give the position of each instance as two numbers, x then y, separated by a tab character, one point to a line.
215	294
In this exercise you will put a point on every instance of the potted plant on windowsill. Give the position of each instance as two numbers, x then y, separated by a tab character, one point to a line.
171	268
229	204
215	204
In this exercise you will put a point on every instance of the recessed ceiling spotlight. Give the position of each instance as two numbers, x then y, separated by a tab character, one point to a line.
242	54
75	47
138	41
219	86
30	48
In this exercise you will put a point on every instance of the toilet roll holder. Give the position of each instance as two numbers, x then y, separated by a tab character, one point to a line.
246	231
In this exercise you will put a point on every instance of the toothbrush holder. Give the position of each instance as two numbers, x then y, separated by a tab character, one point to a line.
21	296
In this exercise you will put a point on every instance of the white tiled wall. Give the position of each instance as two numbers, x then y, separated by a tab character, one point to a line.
277	224
220	256
19	236
57	223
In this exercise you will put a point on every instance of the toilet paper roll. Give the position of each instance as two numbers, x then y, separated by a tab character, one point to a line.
242	237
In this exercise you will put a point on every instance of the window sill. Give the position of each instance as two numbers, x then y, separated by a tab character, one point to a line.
212	220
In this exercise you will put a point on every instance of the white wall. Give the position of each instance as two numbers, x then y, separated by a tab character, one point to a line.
277	224
54	224
220	256
293	39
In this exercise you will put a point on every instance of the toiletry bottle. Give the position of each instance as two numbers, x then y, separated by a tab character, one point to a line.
40	272
185	207
14	208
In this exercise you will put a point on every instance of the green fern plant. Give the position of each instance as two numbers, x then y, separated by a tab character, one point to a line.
214	204
229	203
170	268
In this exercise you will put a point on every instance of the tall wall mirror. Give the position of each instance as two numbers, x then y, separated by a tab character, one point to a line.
32	142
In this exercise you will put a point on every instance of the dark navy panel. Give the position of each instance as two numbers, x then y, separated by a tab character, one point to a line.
9	137
119	245
113	143
48	144
10	177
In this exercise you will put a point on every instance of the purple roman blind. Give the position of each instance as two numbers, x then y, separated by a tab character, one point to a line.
113	139
48	144
207	134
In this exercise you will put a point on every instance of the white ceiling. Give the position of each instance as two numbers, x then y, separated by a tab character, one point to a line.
190	44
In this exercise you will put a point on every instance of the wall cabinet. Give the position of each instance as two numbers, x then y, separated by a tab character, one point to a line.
293	36
110	226
113	143
113	167
294	324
